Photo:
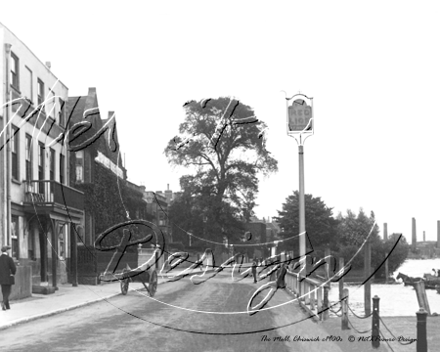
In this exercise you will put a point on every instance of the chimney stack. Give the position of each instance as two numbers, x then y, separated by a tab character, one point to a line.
385	231
414	234
48	64
438	233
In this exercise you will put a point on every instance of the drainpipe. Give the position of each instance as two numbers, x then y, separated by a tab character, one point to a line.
6	150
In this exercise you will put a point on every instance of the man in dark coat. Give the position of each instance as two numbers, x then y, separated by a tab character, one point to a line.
7	269
254	269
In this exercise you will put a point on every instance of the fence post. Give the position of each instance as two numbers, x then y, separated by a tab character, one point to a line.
422	342
367	271
344	302
327	254
419	287
325	305
375	327
341	280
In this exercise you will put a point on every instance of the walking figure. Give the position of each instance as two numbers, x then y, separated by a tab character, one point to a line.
7	272
254	269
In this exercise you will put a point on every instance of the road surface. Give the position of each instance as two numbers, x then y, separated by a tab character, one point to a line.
182	317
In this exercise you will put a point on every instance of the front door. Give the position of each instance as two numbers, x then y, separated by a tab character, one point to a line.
43	256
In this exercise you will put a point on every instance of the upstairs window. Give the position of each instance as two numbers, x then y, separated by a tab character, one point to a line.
52	165
79	166
52	168
51	104
62	176
61	112
41	161
27	84
15	73
14	151
28	157
40	92
41	167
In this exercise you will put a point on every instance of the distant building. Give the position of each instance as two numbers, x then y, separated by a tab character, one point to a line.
257	231
425	250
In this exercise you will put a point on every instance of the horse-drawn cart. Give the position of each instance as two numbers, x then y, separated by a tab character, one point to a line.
431	281
144	276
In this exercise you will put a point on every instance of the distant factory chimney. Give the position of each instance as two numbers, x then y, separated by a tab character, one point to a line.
414	234
385	231
438	233
424	237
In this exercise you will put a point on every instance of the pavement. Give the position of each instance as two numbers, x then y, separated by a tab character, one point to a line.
65	298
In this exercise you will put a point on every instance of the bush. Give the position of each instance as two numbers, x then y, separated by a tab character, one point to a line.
379	250
396	258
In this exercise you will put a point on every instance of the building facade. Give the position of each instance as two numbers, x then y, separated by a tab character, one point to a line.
40	210
110	199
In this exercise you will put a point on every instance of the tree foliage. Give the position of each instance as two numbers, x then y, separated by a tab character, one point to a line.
320	224
396	258
223	143
353	229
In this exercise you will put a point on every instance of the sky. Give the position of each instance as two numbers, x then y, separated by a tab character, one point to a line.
372	68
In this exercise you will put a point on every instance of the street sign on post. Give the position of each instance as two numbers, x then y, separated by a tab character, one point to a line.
300	116
299	122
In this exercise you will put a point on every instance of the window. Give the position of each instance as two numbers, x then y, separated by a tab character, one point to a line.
28	156
41	167
15	63
79	166
52	169
61	112
61	168
27	84
14	236
31	246
40	91
51	104
52	165
14	147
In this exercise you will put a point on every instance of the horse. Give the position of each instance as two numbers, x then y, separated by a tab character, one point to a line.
408	280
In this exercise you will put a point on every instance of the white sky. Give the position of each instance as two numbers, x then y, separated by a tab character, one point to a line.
372	69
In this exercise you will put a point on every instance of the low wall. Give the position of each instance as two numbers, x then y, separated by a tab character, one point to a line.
23	283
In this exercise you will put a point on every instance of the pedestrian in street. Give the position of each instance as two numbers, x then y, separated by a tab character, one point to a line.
7	272
254	269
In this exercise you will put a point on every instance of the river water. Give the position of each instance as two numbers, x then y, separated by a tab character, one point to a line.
395	300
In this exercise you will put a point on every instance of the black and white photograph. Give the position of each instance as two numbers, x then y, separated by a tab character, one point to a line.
219	176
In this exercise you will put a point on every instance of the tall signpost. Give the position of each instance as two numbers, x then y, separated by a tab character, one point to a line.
300	125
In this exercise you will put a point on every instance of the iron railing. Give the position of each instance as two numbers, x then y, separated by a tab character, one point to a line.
46	193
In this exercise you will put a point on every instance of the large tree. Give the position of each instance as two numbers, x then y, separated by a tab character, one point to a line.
352	231
320	224
222	142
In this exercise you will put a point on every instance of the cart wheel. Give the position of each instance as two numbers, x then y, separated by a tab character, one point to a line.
124	283
152	287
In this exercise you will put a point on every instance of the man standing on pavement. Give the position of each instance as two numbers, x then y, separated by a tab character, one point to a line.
254	269
7	272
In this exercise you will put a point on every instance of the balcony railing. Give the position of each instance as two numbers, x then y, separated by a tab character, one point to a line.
49	193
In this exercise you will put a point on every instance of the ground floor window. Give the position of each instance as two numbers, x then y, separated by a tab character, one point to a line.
14	237
61	243
31	245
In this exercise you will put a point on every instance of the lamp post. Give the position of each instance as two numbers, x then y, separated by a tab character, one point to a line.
300	125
